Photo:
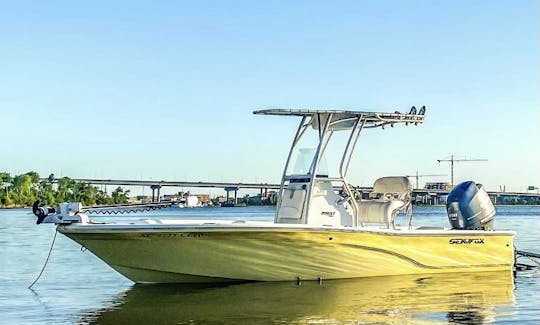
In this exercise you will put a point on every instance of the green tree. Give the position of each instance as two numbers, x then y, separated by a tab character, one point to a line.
5	178
5	183
119	196
46	193
102	198
64	191
85	193
24	189
34	177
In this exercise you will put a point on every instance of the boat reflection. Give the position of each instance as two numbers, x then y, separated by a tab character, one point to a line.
447	298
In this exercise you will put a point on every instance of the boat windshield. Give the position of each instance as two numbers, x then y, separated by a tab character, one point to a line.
303	159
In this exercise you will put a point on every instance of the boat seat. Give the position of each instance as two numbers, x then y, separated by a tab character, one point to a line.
390	196
379	211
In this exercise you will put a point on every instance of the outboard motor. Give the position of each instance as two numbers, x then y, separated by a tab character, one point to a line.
469	207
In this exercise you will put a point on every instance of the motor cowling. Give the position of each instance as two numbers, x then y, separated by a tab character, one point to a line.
469	207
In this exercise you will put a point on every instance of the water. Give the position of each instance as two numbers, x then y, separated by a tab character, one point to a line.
77	287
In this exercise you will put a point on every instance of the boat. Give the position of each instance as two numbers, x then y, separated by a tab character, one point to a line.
176	205
232	205
324	228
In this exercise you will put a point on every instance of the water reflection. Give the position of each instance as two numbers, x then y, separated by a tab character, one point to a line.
447	298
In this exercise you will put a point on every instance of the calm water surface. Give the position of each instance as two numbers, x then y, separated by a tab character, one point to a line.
78	288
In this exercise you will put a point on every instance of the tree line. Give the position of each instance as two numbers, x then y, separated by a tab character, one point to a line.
22	190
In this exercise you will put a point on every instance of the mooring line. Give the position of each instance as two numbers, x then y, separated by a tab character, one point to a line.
46	261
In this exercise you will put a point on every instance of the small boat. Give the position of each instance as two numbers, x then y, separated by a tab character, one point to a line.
176	205
323	227
232	205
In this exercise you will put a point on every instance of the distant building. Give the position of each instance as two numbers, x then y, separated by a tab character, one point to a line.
192	201
172	197
144	199
134	200
203	198
220	199
183	197
255	200
441	186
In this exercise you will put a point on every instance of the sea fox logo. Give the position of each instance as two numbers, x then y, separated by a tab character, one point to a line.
462	241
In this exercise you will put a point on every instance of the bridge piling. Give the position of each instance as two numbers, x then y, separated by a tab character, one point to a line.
234	189
154	188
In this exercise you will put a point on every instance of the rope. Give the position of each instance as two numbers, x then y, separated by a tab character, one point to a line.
47	260
529	255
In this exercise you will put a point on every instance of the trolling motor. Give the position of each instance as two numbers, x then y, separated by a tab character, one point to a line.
41	212
68	213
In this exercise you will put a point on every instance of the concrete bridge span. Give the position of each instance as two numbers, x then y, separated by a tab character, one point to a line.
422	196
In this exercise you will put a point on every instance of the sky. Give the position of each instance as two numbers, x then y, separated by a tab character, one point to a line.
166	89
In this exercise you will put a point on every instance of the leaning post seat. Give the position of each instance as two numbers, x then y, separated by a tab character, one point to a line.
391	195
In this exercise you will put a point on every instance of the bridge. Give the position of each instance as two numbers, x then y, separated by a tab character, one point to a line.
162	183
432	197
157	185
421	196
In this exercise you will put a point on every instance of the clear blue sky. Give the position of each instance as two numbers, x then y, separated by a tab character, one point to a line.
165	89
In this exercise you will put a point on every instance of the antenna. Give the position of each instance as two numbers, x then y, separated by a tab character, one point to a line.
417	176
452	160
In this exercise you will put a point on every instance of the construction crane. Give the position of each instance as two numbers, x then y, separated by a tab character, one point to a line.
417	176
452	160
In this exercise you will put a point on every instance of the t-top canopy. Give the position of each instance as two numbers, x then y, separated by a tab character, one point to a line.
344	119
